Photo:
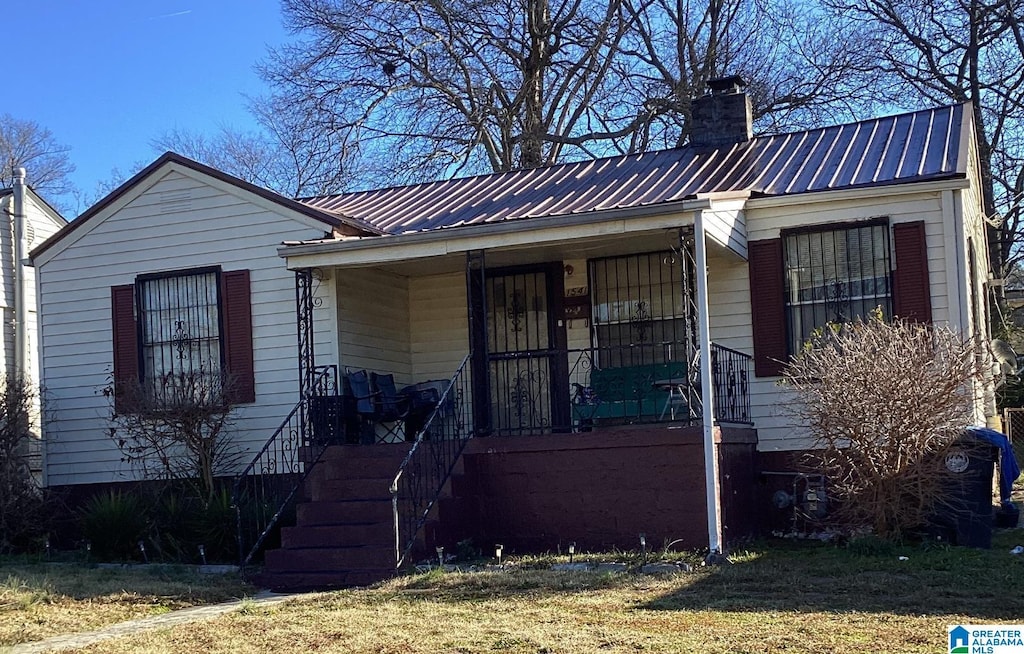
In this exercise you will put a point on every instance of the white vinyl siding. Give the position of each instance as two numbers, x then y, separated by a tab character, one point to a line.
439	325
41	226
179	220
373	322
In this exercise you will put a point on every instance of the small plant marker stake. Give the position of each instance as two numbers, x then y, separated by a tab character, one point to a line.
572	550
643	547
142	548
440	556
202	554
497	552
88	551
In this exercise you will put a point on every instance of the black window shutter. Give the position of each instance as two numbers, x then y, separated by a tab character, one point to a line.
125	341
912	296
767	306
238	355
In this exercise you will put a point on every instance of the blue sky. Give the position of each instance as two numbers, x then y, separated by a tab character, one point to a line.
106	76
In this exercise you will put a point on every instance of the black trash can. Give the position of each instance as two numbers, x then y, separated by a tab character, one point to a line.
966	519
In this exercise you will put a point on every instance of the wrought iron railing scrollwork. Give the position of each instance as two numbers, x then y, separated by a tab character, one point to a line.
730	379
265	490
428	465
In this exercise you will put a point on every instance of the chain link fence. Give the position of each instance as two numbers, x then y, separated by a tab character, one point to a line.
1013	427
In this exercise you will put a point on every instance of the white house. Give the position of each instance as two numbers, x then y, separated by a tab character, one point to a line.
569	305
28	221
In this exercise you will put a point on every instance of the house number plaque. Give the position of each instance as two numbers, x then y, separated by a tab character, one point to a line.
577	303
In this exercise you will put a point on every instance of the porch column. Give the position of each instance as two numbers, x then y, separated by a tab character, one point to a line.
476	299
304	303
714	501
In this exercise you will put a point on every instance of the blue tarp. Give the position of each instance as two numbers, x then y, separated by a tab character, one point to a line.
1009	470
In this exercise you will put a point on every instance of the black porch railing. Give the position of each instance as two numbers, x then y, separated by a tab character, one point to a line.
265	491
577	390
427	467
730	380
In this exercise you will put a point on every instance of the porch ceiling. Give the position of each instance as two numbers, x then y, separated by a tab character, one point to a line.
533	241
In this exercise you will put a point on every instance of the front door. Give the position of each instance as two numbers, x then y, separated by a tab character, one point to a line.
523	337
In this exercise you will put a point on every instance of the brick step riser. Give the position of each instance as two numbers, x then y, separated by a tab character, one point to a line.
375	468
378	534
329	559
339	513
352	453
350	489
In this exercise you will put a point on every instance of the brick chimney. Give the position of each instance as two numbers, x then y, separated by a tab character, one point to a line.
723	116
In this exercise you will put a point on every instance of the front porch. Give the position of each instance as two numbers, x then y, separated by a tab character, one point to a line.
563	338
589	350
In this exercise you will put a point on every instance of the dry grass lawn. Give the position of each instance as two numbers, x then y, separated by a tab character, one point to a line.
42	600
792	597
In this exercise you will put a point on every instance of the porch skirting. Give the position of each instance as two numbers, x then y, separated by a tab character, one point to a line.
599	489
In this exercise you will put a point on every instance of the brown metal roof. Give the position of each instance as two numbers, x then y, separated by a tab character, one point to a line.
899	149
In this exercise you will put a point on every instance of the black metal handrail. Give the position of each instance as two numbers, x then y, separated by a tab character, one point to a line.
264	491
632	384
428	465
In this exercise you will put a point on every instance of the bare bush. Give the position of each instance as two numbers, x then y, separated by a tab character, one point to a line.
884	402
177	427
20	498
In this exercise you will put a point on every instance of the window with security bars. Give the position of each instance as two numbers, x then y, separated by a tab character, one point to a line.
835	275
180	332
638	309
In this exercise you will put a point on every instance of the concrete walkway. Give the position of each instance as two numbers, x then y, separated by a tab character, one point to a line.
86	638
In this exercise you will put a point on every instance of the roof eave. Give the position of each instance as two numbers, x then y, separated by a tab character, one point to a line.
495	229
333	221
955	181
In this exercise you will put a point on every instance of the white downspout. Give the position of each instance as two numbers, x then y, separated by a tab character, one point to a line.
20	333
714	501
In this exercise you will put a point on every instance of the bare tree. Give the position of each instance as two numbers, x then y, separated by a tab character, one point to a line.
949	51
27	144
289	155
884	403
802	66
446	86
420	89
21	503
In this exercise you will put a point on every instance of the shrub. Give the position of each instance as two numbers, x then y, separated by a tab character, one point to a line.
177	429
181	523
884	401
114	523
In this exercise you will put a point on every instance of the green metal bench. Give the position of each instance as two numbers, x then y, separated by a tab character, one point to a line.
628	392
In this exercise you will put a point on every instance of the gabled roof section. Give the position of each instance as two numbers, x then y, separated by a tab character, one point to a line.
910	147
331	219
46	207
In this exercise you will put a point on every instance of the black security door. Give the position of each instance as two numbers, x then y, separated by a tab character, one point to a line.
524	337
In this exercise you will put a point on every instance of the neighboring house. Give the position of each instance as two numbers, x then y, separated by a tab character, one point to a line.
25	213
570	306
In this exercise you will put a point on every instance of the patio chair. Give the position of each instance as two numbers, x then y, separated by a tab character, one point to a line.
406	410
363	396
423	400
